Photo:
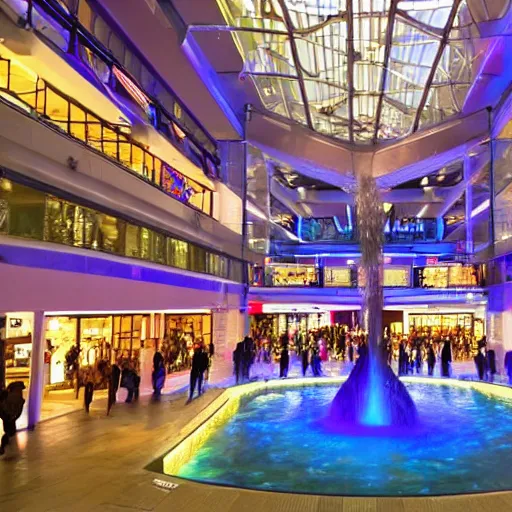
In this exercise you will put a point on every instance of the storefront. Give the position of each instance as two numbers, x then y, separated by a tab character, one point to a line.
447	324
290	274
17	347
274	325
181	332
75	343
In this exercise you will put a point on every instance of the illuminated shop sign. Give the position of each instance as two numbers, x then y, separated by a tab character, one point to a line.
175	184
447	276
134	91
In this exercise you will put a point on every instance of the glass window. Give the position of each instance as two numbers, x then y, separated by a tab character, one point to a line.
145	243
159	248
59	221
23	210
77	122
132	241
85	15
137	159
177	253
23	82
125	151
148	165
110	145
108	233
213	264
4	73
94	132
235	271
101	30
116	47
57	109
197	258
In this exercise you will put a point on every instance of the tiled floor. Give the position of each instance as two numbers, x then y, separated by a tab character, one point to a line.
96	463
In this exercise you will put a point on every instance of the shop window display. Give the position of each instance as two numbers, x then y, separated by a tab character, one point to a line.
180	334
61	339
76	344
291	275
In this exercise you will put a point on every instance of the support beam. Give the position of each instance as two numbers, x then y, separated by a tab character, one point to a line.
350	68
442	45
385	64
36	386
295	54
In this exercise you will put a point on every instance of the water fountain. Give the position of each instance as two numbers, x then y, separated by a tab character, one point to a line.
372	395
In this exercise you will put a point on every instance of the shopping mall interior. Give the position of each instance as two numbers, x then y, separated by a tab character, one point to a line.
298	209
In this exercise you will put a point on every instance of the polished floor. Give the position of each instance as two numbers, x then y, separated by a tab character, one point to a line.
97	463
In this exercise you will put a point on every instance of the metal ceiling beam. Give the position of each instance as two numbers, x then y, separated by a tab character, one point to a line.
350	68
295	54
442	45
387	56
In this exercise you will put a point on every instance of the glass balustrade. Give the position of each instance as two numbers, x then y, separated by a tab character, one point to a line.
21	86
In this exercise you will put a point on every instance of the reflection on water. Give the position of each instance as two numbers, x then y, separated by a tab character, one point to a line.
277	442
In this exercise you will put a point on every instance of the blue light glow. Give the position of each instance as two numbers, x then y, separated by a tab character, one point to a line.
277	441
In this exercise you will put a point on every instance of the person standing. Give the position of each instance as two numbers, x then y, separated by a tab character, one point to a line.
431	359
247	357
284	362
480	364
351	351
446	358
305	360
237	361
158	375
491	364
508	366
199	366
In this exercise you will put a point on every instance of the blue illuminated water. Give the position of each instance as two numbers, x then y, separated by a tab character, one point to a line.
277	442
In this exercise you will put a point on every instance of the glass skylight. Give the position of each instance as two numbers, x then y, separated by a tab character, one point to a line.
358	70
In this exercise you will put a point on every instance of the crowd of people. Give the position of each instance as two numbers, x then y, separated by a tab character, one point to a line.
414	353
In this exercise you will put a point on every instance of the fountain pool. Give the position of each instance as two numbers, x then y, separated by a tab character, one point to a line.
271	437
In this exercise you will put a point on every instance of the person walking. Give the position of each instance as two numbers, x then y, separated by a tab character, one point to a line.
11	407
199	366
130	380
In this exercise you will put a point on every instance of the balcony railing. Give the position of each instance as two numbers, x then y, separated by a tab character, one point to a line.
22	87
76	28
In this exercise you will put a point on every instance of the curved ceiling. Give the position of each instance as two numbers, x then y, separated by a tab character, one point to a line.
362	70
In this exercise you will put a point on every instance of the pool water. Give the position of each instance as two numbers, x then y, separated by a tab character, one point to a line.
277	441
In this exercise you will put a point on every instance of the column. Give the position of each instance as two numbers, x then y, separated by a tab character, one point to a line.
35	389
468	205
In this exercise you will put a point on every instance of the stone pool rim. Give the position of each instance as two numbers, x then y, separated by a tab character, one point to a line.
220	406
